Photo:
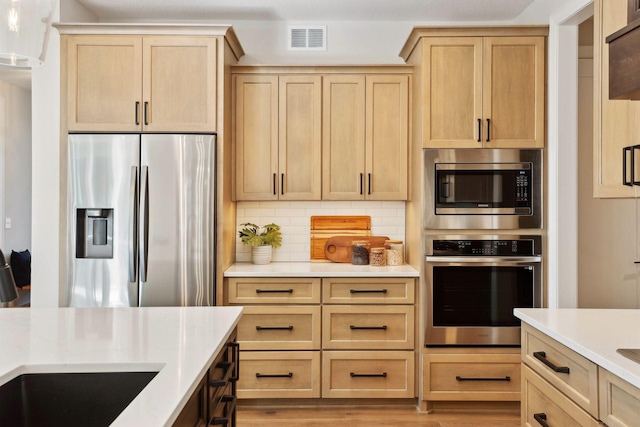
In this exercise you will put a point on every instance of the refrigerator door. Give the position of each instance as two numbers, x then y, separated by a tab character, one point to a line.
102	211
177	220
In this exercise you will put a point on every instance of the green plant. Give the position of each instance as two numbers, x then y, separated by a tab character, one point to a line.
255	235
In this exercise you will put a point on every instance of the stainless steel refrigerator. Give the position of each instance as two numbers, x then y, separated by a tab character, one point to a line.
141	220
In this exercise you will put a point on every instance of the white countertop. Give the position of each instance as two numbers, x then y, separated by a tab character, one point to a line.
317	269
593	333
179	342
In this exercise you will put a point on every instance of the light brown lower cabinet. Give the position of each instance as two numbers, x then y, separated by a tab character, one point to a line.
619	401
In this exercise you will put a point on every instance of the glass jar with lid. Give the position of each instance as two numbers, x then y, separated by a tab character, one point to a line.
394	251
377	257
360	252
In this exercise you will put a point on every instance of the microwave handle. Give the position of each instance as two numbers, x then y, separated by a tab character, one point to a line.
484	259
444	190
633	164
626	150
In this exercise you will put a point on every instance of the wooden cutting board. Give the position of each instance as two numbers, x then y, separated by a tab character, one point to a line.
325	226
338	248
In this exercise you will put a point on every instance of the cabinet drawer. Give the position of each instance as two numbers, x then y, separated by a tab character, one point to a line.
274	374
280	328
367	327
580	383
492	377
368	374
368	291
619	401
301	290
541	400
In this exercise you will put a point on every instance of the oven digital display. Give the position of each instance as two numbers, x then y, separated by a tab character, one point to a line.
521	247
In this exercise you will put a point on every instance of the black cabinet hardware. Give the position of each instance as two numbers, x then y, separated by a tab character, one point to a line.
287	375
356	375
542	356
353	327
541	418
459	378
368	291
274	328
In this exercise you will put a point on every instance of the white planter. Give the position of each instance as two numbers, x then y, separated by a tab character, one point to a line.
261	254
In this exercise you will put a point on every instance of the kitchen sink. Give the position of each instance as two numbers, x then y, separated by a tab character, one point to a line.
69	399
630	353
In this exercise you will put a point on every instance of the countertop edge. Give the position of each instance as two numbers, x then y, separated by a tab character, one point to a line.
320	269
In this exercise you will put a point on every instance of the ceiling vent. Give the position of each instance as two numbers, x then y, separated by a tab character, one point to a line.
308	38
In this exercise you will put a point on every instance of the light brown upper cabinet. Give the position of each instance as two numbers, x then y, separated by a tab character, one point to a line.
615	121
365	137
278	137
480	88
141	83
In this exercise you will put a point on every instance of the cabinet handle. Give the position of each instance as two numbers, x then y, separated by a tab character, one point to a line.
273	291
356	375
459	378
626	150
368	291
235	347
137	113
287	375
282	184
274	184
361	182
353	327
146	113
541	418
542	356
230	407
274	328
369	184
633	164
479	130
488	130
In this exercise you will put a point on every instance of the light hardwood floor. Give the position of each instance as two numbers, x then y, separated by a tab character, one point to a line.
359	416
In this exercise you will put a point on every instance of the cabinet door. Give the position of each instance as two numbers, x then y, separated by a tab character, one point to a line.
256	137
453	92
612	119
514	92
179	84
104	83
387	144
300	115
343	139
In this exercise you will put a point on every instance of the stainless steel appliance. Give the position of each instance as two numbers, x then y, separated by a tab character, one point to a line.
483	189
141	220
474	283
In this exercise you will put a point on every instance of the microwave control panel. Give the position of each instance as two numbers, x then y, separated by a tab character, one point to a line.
483	247
522	186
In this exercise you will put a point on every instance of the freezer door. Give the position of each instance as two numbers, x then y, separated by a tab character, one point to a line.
101	211
177	220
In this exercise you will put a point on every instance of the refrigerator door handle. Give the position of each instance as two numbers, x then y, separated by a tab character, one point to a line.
144	217
133	226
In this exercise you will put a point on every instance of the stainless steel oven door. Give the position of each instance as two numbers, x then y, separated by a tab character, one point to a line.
471	299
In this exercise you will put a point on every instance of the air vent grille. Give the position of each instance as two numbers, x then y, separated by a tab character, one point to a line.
308	38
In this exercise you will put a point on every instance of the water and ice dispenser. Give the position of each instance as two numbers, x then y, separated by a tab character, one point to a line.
94	233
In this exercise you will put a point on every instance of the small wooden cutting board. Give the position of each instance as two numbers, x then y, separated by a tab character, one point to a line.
338	248
325	226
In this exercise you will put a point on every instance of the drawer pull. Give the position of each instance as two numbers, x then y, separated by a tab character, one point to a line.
274	328
230	407
542	356
235	356
459	378
541	418
355	375
274	291
288	375
354	327
368	291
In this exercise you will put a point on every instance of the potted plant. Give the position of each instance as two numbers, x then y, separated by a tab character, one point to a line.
262	240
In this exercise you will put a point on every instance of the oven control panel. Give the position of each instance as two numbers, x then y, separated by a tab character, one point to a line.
483	247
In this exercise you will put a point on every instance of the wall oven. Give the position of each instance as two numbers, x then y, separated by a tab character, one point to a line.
483	189
474	283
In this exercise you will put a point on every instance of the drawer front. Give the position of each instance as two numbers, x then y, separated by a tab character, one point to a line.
368	374
368	291
279	328
275	374
580	384
247	290
541	401
619	401
367	327
483	377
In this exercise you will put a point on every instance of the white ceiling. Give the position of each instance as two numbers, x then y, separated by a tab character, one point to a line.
308	10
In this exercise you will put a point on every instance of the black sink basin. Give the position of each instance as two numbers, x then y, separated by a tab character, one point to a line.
69	399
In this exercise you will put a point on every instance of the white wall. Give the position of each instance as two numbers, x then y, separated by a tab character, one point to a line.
15	143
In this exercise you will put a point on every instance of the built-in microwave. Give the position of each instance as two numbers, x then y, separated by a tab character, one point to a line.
483	189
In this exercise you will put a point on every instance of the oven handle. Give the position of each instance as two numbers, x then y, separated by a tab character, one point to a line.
484	259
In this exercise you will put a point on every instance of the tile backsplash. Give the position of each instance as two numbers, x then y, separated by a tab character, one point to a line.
294	218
